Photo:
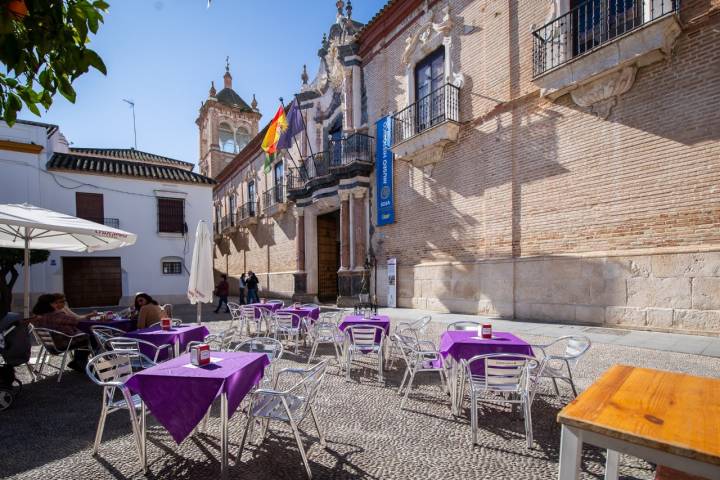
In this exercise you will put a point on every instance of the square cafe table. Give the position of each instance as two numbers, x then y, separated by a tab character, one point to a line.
179	394
382	321
667	418
178	337
457	345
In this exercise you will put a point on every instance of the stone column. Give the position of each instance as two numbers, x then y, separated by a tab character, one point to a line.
300	276
359	226
344	230
300	244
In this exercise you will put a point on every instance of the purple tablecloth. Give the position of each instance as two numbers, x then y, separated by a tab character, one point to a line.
158	336
178	394
124	324
464	344
382	321
312	313
270	306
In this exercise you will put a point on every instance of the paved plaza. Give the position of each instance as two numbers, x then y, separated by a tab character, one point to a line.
48	432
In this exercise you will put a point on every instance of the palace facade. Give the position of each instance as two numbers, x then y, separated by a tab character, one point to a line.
542	159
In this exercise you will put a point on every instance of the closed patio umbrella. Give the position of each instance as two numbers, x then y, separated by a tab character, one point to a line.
33	228
202	281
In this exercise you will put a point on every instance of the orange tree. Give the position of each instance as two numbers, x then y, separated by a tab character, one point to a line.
10	260
43	48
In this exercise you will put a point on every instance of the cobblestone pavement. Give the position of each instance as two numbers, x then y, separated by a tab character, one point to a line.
48	432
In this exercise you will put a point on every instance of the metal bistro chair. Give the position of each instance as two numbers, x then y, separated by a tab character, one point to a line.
103	333
508	378
249	318
132	347
559	366
325	332
270	347
288	325
218	342
111	370
235	311
288	406
420	356
47	339
364	339
468	325
411	327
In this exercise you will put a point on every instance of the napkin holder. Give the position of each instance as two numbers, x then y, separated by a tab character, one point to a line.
109	315
485	331
200	355
166	323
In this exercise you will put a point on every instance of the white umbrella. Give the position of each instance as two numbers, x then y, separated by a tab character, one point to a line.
33	228
202	281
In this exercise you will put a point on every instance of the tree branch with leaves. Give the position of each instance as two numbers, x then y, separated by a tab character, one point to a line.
43	47
10	260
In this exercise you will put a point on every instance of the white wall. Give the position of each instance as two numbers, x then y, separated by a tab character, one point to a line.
131	200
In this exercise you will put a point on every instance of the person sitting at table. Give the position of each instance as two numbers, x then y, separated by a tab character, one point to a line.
147	310
49	312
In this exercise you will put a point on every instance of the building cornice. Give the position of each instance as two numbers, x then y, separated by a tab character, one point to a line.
20	147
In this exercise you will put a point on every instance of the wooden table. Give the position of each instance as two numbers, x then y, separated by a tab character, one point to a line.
666	418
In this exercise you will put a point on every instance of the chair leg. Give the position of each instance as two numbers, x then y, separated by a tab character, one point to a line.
555	385
321	436
381	365
313	351
297	344
402	383
41	361
572	383
250	422
136	433
296	432
100	427
407	389
473	417
62	365
528	423
444	382
348	362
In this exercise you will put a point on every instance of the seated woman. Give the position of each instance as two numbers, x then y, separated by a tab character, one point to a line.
49	312
147	310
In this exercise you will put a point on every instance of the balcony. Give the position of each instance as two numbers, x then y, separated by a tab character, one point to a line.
274	202
421	131
247	214
344	158
227	223
603	40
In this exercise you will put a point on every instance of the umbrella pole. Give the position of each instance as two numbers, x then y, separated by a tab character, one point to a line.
26	277
199	319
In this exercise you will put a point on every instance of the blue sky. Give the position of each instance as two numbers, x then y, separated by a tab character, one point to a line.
163	54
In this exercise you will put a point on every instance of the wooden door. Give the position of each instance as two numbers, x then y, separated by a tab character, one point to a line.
328	246
92	281
90	206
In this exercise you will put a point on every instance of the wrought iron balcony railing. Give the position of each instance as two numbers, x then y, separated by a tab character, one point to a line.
273	196
226	222
591	25
247	210
439	106
355	148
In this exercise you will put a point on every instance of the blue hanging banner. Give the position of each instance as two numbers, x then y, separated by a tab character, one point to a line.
384	172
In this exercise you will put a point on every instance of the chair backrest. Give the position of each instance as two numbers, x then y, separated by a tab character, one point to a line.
168	309
467	325
248	313
131	347
504	372
365	335
103	333
418	325
269	346
575	347
228	337
324	327
111	368
407	345
235	310
307	387
46	338
286	320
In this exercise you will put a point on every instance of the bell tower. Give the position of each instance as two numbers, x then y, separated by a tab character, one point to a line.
226	123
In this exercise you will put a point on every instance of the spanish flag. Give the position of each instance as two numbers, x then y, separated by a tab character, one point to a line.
277	126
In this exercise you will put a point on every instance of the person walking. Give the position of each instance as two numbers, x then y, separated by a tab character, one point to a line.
241	295
222	289
252	283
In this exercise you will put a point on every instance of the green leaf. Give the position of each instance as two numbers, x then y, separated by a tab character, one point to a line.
66	89
95	61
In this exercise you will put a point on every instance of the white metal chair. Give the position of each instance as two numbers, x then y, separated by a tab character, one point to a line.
325	332
288	325
132	347
249	318
420	356
291	406
408	328
467	325
558	366
235	312
364	340
503	378
103	333
270	347
219	342
111	370
51	345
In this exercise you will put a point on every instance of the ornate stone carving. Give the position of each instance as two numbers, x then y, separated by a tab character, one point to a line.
600	95
429	36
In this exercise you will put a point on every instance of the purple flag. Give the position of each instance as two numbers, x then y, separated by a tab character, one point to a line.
295	125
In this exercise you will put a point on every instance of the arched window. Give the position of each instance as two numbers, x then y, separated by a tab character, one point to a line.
227	139
242	138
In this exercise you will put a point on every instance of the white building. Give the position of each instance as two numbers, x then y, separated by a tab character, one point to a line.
158	198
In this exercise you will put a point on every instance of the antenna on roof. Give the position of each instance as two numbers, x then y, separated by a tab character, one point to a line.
132	105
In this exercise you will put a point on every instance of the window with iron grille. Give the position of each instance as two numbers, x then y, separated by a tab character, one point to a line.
172	268
171	215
